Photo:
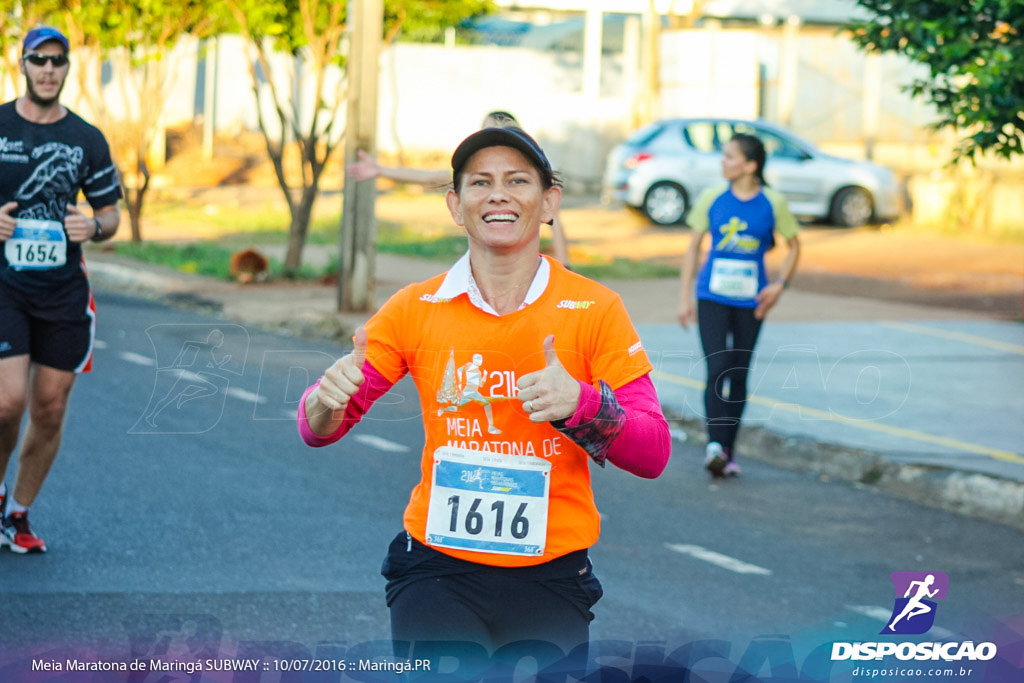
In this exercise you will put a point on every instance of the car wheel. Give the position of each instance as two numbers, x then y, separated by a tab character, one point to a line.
852	207
665	203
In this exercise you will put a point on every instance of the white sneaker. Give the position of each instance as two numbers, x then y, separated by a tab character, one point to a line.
714	459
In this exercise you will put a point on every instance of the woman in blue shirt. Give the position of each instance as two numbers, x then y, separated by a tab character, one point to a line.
733	291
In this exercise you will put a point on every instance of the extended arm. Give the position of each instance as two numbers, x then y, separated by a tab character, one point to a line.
687	313
367	168
769	296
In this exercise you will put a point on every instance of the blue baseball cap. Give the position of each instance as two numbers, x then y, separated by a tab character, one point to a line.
43	34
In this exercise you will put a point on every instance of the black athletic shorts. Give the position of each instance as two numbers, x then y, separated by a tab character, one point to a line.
56	327
434	596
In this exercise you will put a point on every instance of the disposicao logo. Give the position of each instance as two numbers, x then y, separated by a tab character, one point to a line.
914	609
913	613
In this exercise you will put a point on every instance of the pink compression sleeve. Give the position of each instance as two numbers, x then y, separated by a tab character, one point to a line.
638	442
375	386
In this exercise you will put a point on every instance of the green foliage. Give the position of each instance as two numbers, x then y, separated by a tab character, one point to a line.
149	27
974	50
426	20
290	25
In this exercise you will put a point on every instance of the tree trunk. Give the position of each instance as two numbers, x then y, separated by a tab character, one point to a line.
302	215
134	198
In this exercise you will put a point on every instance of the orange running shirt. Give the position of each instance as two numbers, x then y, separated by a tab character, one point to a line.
466	364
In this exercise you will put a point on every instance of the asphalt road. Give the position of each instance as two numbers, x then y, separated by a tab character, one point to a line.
185	518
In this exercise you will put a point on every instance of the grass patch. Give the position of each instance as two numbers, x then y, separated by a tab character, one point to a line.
208	259
215	232
625	269
213	259
420	241
201	258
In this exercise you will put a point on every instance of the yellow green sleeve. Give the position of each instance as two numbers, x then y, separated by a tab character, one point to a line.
785	224
697	218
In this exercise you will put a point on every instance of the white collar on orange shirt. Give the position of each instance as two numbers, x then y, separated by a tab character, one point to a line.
459	280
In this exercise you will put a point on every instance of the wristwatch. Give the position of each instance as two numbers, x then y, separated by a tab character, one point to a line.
99	229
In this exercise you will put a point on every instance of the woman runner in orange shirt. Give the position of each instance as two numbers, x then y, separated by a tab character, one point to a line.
526	373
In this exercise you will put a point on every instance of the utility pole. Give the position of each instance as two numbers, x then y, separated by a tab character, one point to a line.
650	107
358	235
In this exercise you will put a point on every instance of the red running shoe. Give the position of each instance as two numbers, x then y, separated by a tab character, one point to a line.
19	537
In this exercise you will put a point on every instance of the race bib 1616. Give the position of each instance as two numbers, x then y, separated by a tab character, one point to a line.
488	502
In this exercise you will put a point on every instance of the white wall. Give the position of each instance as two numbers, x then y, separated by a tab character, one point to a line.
431	96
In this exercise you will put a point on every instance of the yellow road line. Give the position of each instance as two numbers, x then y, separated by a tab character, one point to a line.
958	336
860	424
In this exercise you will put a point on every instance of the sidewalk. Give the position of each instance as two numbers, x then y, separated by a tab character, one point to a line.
917	401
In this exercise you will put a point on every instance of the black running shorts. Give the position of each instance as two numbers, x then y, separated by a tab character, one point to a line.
56	328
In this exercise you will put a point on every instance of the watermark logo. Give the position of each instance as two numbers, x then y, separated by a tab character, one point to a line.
196	366
913	612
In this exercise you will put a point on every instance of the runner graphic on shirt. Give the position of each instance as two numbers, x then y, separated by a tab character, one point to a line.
462	386
734	237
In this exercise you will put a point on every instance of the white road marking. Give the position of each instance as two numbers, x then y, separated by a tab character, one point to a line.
245	395
137	358
235	392
719	560
99	344
381	443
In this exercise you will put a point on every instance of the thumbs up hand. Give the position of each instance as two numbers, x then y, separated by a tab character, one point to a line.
342	380
77	225
7	222
551	393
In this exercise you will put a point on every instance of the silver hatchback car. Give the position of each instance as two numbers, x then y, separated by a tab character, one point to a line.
663	167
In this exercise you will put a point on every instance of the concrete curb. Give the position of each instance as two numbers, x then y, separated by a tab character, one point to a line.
967	493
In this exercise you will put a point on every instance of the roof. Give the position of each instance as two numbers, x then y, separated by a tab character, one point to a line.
835	12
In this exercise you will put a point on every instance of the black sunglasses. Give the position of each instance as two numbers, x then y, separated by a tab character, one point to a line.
39	59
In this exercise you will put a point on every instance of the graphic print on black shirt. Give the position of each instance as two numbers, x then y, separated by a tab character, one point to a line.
42	168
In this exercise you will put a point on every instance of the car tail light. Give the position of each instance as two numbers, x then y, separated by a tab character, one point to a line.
637	159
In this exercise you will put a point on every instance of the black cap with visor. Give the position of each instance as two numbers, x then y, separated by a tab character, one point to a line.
513	137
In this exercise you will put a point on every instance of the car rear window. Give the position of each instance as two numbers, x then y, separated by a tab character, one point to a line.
707	136
774	145
701	136
642	136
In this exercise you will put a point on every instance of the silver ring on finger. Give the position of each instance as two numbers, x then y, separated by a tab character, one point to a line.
529	406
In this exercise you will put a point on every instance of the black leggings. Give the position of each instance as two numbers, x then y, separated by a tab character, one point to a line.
728	335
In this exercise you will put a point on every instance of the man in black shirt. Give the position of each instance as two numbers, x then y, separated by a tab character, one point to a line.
47	315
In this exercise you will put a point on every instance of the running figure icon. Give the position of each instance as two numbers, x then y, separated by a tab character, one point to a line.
915	606
471	377
190	385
